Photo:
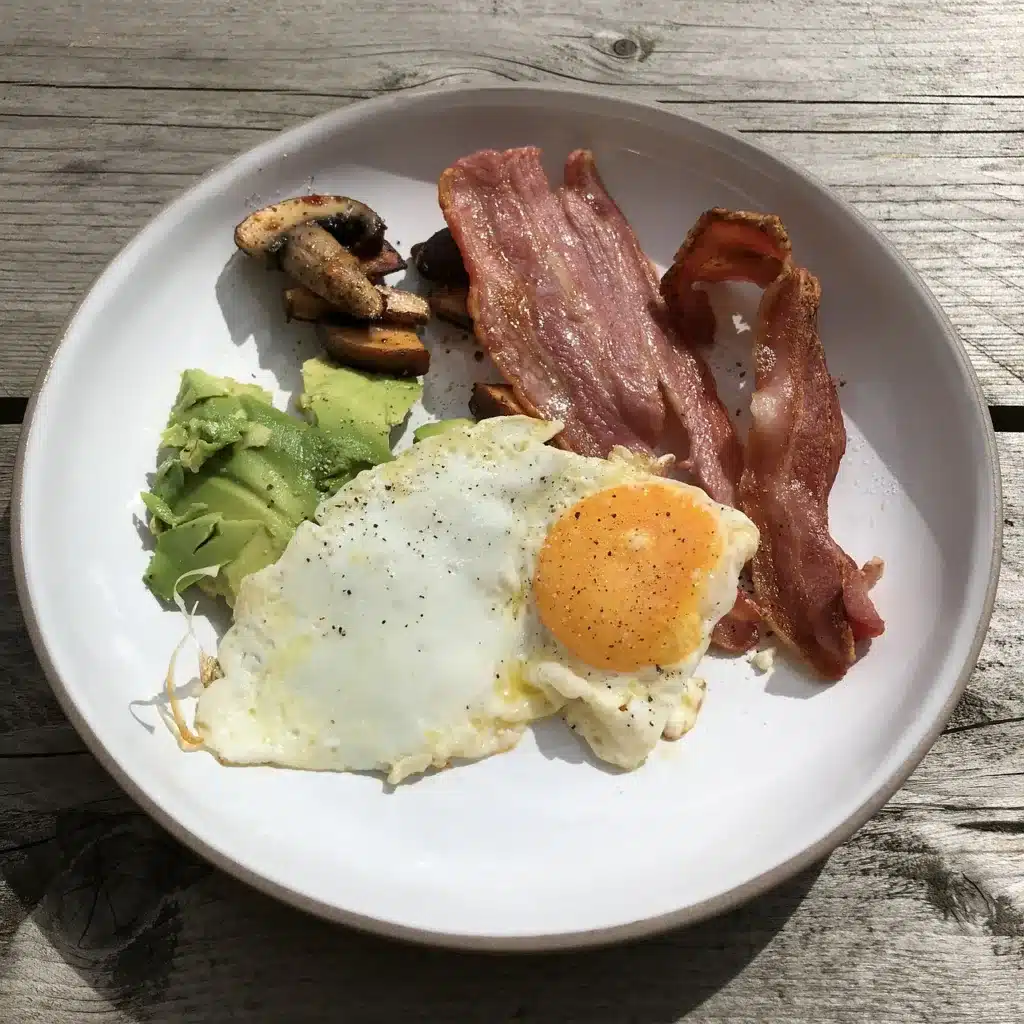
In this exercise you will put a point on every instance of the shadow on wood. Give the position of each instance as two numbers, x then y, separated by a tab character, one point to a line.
30	718
103	890
153	931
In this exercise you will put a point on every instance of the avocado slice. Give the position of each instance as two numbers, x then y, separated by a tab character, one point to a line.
433	429
356	404
239	476
240	546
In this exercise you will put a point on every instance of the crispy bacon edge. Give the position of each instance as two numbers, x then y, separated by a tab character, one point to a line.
726	245
723	245
808	588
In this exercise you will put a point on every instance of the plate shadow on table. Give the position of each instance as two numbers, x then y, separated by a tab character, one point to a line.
153	930
27	705
662	978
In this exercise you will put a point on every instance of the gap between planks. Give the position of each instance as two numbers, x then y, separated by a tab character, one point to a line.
1007	419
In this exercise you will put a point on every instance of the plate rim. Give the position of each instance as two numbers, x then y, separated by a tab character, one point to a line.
362	111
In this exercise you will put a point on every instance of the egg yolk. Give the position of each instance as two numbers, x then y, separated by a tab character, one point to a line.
621	576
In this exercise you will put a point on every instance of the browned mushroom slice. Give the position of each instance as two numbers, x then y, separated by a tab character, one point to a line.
302	304
438	259
380	348
490	400
387	261
361	236
316	259
450	304
403	307
352	223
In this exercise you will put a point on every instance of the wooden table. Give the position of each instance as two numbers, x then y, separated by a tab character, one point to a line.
911	109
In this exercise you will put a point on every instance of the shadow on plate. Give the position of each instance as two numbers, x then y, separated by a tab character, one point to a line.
791	679
557	742
554	740
249	296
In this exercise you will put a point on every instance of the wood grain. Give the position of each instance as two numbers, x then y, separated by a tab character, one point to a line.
920	917
912	112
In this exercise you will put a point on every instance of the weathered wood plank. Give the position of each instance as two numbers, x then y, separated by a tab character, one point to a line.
993	695
30	720
272	110
994	692
879	158
853	50
874	97
887	929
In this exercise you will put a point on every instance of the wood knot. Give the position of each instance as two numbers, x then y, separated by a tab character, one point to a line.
624	48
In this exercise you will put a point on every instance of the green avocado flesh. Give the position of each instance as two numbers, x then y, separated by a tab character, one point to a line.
361	406
237	476
433	429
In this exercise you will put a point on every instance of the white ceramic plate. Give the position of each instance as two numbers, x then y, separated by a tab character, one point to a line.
539	847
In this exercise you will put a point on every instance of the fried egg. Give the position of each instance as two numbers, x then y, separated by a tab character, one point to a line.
481	580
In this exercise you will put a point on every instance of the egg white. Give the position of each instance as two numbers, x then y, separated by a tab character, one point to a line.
398	631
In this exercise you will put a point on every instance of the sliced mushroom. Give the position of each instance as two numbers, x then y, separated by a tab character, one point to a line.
361	235
438	259
400	307
450	304
403	307
352	223
490	400
302	304
387	261
383	349
316	259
